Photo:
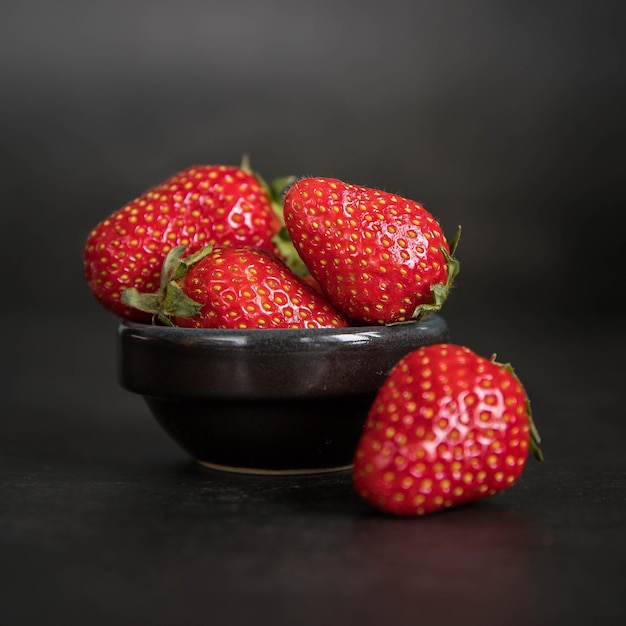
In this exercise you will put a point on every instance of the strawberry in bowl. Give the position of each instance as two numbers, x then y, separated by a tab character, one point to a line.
204	204
259	331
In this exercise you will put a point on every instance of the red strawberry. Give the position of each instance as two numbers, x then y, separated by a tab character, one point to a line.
205	204
234	287
379	258
447	427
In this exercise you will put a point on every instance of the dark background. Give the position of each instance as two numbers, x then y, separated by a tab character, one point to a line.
506	118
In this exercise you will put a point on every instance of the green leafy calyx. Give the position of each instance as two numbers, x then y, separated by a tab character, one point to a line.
275	190
535	438
169	300
440	291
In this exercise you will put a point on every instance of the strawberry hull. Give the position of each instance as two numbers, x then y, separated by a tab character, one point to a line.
281	400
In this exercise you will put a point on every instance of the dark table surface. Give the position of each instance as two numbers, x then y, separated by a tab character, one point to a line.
103	520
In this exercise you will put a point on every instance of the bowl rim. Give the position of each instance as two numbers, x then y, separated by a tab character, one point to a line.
434	323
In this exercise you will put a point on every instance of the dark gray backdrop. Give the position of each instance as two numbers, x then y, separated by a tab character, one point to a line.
507	118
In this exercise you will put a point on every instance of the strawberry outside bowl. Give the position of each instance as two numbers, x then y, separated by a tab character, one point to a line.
271	400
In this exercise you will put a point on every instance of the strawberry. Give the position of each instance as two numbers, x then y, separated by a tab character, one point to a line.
379	257
205	204
447	427
234	287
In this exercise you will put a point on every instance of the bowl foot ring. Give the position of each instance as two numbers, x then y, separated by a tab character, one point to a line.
273	472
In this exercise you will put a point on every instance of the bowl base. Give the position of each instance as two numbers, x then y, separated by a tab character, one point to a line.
272	472
278	436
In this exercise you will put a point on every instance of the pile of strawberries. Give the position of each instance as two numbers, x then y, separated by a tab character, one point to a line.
215	246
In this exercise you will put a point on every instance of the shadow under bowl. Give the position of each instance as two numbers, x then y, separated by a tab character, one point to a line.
283	400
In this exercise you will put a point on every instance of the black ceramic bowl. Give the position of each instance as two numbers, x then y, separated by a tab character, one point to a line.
266	400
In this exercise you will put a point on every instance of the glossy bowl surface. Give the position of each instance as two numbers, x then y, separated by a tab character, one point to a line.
266	400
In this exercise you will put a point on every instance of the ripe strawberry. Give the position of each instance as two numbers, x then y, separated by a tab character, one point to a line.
204	204
234	287
447	427
379	258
